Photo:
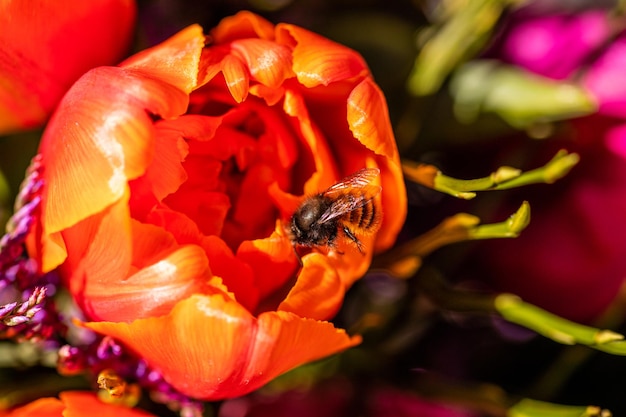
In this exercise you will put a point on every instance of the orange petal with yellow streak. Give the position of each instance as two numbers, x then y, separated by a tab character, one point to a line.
318	292
318	60
83	404
119	269
152	290
242	25
368	118
174	61
268	62
211	348
100	137
236	76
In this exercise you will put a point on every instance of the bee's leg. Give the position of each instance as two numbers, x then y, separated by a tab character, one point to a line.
352	237
295	250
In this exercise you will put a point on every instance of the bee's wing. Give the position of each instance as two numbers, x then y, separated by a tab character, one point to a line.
359	179
345	203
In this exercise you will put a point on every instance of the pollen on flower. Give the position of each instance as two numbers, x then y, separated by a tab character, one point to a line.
112	383
121	375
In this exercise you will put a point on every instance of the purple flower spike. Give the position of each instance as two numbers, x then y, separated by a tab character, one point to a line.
28	313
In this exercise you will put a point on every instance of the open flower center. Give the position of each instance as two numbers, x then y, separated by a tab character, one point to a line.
230	168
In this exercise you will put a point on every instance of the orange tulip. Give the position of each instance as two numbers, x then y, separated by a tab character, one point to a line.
169	183
46	45
74	404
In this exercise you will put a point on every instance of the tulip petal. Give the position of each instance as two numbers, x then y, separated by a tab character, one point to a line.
237	275
43	407
222	351
218	59
81	404
323	169
90	150
174	61
268	62
368	118
318	60
45	46
318	292
236	77
270	95
241	26
99	249
152	290
395	203
121	269
164	175
273	261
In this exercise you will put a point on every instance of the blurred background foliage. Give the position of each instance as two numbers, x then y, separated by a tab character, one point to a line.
453	104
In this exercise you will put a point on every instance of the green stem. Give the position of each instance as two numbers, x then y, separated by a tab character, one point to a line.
554	170
506	177
5	197
404	260
513	309
511	227
533	408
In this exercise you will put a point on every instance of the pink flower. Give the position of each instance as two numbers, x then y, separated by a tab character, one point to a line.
605	79
555	46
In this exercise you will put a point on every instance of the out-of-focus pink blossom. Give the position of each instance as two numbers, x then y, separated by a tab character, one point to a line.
555	46
605	79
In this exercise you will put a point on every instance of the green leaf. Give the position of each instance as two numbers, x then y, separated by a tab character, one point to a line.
462	34
519	97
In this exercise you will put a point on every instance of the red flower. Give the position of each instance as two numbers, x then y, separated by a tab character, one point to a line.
46	45
169	181
75	404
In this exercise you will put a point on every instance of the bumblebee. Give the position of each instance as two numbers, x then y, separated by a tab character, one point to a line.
344	211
